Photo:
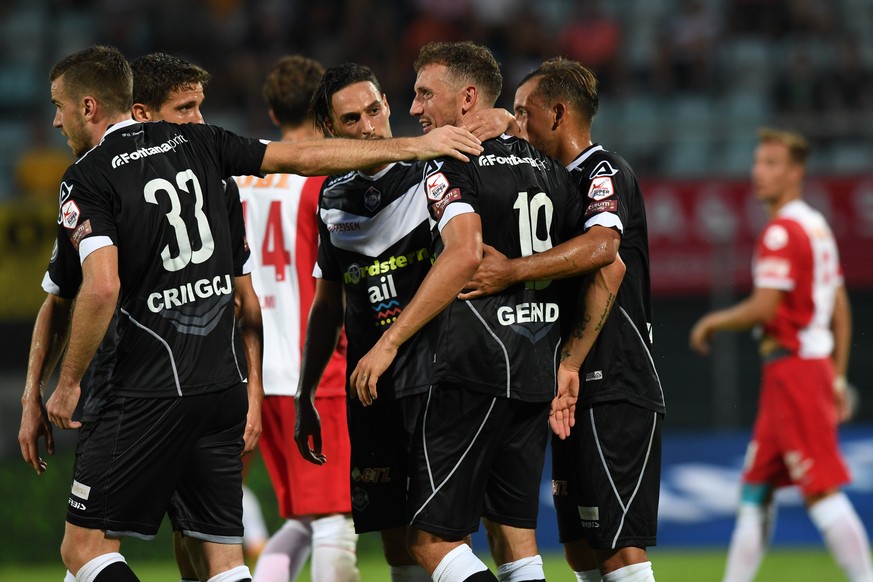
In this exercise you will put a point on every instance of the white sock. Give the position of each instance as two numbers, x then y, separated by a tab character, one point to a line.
530	568
752	533
333	550
255	528
92	569
459	564
588	576
409	574
286	553
232	575
844	535
68	577
633	573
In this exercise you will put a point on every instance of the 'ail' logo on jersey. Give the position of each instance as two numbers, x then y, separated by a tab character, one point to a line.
601	188
435	186
70	214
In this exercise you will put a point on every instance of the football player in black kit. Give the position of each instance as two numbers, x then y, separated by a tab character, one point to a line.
145	211
373	253
483	434
607	510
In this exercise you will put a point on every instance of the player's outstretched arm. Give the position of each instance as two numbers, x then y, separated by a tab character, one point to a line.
252	327
598	300
46	345
333	156
95	305
582	254
322	333
462	237
758	308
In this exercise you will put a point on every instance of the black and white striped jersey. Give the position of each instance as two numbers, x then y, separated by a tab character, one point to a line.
506	344
620	366
157	191
374	238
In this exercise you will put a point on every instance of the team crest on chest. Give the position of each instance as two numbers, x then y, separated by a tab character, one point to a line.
372	199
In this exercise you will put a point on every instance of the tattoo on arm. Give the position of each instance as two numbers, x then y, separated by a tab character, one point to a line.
609	301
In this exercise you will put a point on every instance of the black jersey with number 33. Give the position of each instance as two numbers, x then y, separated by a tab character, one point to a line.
506	344
155	192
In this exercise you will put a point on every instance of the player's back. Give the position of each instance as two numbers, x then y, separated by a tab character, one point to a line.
506	344
281	223
156	192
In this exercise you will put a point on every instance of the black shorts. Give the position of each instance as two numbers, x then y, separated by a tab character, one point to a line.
478	456
606	477
147	456
380	436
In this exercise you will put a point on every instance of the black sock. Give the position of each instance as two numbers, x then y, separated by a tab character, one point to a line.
116	572
483	576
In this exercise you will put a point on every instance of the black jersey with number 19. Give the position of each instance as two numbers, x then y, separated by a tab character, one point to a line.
507	344
155	191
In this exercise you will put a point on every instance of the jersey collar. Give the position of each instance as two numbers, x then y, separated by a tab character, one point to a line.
117	126
587	153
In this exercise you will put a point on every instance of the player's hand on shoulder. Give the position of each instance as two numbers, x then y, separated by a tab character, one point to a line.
491	123
449	141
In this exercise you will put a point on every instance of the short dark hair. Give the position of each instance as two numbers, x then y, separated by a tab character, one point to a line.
798	146
335	79
565	80
289	88
466	62
156	75
101	71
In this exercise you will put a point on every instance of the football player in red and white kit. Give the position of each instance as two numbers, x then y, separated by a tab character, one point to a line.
801	306
280	215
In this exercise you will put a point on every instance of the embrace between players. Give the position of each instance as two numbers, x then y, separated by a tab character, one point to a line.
470	327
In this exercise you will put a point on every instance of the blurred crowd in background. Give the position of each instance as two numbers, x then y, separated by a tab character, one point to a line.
684	83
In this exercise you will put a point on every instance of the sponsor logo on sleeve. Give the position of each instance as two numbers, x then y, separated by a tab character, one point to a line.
81	232
601	188
601	206
439	206
776	237
604	168
70	214
435	186
772	268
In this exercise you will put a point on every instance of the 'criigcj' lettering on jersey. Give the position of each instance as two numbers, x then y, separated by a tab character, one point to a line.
169	145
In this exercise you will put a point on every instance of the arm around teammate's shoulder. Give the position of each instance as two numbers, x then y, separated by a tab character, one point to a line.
333	156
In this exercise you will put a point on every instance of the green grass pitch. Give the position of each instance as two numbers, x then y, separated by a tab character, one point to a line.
671	565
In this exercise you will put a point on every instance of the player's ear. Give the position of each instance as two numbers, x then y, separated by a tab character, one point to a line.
471	95
385	103
89	106
273	118
558	113
140	113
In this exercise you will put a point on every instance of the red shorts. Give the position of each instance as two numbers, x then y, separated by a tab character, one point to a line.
795	436
301	487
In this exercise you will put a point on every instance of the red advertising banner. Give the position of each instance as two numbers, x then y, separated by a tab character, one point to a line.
702	233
